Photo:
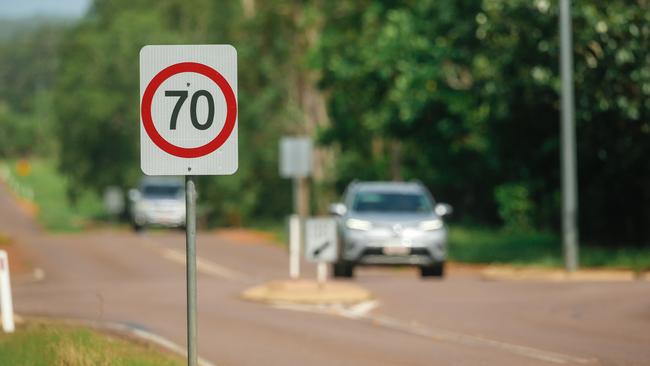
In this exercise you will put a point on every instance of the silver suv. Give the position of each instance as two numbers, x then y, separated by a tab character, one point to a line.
392	223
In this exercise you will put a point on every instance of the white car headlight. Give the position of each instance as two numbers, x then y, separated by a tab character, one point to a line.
357	224
142	205
431	225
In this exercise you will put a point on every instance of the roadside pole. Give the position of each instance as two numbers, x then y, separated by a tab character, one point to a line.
296	163
190	242
568	142
296	224
294	247
6	303
302	197
321	273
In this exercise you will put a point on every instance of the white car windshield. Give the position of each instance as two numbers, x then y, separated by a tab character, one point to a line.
391	202
162	191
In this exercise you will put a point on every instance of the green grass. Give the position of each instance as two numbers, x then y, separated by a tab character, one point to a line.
279	229
486	245
46	187
50	344
497	246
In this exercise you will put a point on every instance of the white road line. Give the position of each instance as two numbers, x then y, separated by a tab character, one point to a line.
361	312
362	309
470	340
204	266
134	331
165	343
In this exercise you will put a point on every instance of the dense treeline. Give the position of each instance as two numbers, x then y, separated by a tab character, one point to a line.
462	95
467	94
28	62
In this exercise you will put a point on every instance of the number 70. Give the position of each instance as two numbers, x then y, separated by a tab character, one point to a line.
182	96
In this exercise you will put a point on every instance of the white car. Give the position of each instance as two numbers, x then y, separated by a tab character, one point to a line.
159	201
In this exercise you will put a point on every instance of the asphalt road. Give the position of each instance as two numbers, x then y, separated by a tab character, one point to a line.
139	280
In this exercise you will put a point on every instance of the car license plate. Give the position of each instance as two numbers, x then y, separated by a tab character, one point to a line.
397	250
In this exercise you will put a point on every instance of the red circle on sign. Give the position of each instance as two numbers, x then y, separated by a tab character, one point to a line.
191	152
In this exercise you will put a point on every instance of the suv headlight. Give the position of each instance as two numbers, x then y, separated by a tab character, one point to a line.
357	224
431	225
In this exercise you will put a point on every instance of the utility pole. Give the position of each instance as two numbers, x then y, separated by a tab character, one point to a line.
568	142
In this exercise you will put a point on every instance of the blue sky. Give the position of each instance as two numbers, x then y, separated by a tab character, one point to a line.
27	8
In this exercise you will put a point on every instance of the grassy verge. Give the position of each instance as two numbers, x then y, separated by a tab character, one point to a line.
50	344
484	245
46	187
278	229
495	246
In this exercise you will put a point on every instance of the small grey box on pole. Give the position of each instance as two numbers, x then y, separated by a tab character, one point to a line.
568	142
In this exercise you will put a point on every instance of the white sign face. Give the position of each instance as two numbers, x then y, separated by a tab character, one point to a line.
321	244
188	110
295	157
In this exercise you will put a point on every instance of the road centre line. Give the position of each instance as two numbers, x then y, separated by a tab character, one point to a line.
471	340
361	312
202	265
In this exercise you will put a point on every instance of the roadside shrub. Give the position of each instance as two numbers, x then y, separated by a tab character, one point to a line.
514	206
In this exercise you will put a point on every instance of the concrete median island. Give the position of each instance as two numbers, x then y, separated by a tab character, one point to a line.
307	292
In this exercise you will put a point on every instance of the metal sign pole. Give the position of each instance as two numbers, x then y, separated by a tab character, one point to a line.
568	142
190	236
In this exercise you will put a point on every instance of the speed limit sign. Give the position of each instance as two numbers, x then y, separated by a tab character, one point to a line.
188	110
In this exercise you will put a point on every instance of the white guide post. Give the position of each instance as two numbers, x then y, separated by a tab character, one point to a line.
6	303
294	247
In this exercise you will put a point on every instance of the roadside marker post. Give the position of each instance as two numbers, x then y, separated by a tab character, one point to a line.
188	127
321	244
6	302
294	247
296	163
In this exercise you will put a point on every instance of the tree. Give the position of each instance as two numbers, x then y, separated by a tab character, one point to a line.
470	89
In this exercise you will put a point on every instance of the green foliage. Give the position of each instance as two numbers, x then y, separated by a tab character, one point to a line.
514	206
97	97
47	188
27	71
471	91
484	245
50	344
462	95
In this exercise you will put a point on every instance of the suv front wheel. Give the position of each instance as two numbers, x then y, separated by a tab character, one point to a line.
343	269
437	269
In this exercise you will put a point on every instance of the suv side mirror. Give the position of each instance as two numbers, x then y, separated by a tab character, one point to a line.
443	209
338	209
134	195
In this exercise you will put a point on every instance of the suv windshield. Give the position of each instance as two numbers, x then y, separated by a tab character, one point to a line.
162	191
391	202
